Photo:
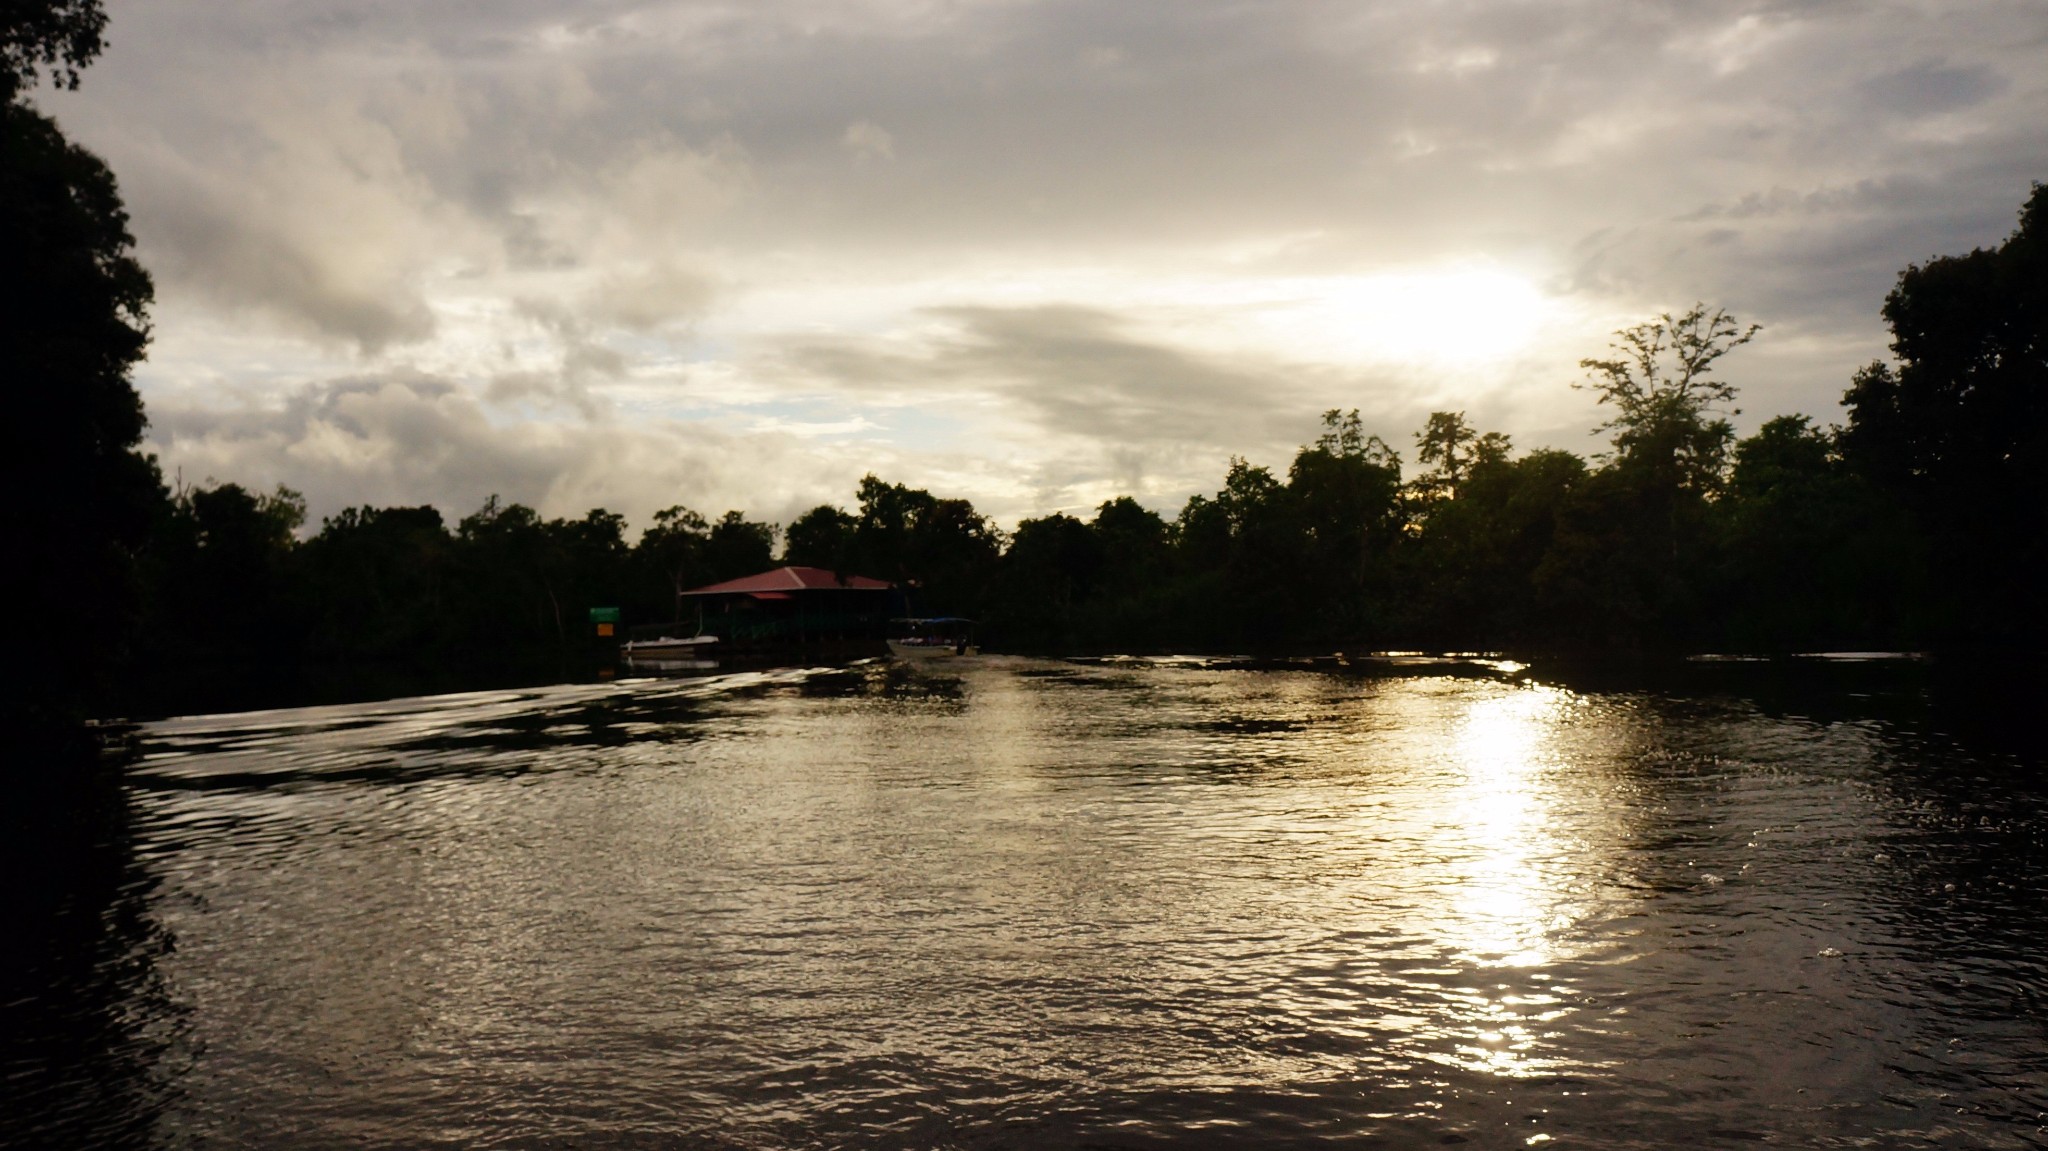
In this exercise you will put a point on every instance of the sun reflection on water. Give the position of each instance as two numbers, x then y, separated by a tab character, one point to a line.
1158	904
1505	905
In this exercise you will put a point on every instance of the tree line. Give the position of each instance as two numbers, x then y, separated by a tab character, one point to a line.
1918	522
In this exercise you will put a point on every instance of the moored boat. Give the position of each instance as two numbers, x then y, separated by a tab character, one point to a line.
669	647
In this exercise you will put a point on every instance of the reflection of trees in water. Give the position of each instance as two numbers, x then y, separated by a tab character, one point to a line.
1876	830
1956	878
90	1040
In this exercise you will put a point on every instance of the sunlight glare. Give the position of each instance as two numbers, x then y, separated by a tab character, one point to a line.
1464	316
1504	909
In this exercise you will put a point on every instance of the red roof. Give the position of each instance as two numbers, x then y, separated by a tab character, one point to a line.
793	579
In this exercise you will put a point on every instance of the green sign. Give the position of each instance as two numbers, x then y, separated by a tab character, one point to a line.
604	615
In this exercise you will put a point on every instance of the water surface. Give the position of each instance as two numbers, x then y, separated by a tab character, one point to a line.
1003	902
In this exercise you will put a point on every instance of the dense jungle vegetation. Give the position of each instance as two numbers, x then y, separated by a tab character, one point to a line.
1919	522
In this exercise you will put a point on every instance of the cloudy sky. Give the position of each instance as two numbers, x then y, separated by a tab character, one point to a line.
1033	252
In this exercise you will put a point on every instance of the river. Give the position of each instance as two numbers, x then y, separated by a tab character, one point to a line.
1003	902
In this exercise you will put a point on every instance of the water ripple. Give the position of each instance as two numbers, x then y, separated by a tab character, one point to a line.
1121	903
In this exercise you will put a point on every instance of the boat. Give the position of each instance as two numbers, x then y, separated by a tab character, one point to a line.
934	638
647	663
657	645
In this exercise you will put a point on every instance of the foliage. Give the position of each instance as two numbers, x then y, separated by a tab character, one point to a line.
1958	431
1812	555
220	561
942	549
1054	565
821	538
1472	567
50	39
1447	445
73	323
377	580
1346	495
1660	381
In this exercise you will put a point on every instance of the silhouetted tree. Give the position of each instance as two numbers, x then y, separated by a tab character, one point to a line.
676	550
1812	556
1660	381
941	550
822	538
378	583
1470	568
510	572
1051	571
47	39
1445	445
1959	429
73	323
1202	534
1346	492
1136	543
737	546
1268	554
1629	544
222	578
882	529
1132	604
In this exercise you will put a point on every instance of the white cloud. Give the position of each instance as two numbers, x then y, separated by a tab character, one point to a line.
1033	249
415	439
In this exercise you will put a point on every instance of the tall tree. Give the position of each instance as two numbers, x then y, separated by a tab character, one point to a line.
1136	543
1346	490
675	547
220	578
738	546
73	323
1051	570
377	582
1959	429
1444	445
1668	405
941	550
1631	542
820	538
